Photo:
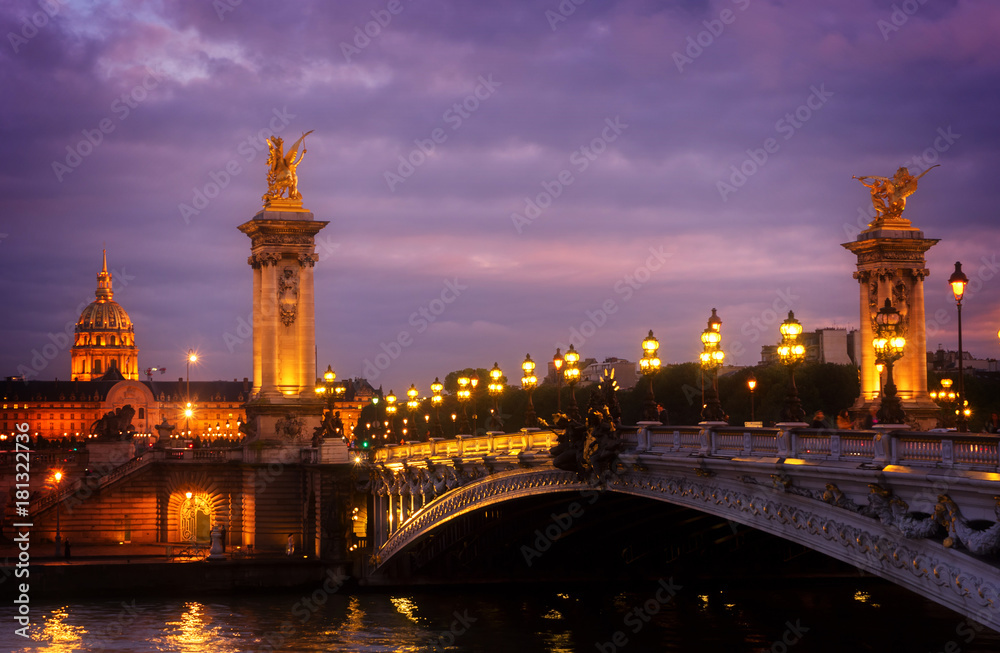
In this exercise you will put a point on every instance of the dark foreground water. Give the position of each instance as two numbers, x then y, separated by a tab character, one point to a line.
819	615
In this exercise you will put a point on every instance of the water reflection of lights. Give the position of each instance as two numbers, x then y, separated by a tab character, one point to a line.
196	632
62	636
865	597
405	607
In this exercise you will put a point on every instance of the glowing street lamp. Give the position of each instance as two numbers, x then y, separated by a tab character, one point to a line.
495	389
557	364
528	382
649	365
889	343
572	375
56	479
751	383
712	358
463	394
436	400
412	404
390	410
958	281
792	352
192	357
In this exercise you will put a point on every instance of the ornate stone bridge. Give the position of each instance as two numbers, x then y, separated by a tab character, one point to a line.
918	509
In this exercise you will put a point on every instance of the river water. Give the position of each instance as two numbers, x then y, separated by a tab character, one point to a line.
852	614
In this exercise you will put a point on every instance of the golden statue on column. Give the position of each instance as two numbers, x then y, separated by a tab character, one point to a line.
889	193
281	174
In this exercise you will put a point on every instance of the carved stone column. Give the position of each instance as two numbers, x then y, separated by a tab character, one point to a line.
891	265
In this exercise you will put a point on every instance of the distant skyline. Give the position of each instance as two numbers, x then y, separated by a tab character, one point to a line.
500	178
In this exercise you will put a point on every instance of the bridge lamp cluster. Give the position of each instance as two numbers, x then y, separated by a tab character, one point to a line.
436	401
791	352
529	381
889	344
390	410
464	394
571	374
495	389
712	358
649	365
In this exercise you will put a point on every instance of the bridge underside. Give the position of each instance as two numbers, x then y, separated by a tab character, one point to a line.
592	535
509	517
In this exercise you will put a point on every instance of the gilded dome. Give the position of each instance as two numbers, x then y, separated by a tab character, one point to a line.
104	314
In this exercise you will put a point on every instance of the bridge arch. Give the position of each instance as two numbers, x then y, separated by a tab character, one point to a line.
748	492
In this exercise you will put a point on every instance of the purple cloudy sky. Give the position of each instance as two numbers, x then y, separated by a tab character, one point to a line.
627	115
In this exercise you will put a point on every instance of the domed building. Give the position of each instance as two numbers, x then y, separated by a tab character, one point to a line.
105	337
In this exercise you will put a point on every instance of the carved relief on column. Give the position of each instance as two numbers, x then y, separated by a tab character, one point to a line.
288	294
307	260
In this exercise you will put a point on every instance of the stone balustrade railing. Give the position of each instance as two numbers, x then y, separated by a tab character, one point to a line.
877	447
512	444
881	446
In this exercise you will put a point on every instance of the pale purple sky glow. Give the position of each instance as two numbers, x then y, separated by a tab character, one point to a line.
612	111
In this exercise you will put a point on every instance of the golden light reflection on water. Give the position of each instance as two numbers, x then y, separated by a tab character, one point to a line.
196	632
355	621
405	607
60	636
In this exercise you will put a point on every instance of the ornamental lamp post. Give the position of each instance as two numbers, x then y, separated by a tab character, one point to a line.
56	478
528	382
751	383
572	374
495	389
557	364
712	358
412	404
958	281
649	365
463	394
436	400
889	343
474	383
390	410
792	352
192	357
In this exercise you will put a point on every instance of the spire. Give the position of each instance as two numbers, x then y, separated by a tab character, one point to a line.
104	281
